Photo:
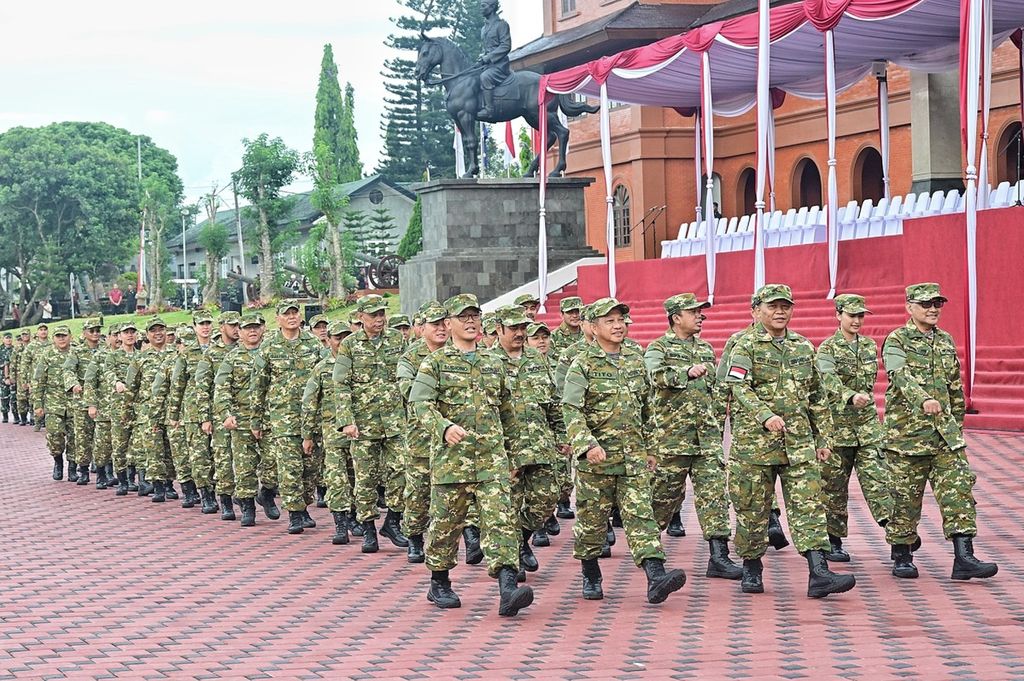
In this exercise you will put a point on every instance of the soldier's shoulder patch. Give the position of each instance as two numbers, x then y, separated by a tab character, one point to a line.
737	372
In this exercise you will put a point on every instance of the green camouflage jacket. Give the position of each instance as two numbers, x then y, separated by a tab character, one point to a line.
564	361
232	387
27	362
539	424
15	361
78	361
469	390
48	391
777	378
319	404
366	385
606	402
408	365
188	401
922	366
280	371
562	338
5	358
684	411
142	374
848	368
98	383
118	364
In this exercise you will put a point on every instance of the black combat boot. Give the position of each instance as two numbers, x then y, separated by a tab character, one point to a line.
540	538
101	477
965	565
307	521
675	526
132	487
58	467
111	476
340	528
209	501
606	551
169	491
660	583
719	564
370	543
145	486
72	471
513	597
321	492
616	517
903	562
122	484
776	537
354	526
83	475
527	560
416	554
265	498
821	581
836	552
248	507
189	494
159	492
552	527
392	529
592	580
227	509
913	548
440	593
565	512
380	497
521	576
609	537
752	582
295	519
471	537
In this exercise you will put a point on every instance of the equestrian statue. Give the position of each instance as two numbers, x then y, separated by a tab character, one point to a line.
490	92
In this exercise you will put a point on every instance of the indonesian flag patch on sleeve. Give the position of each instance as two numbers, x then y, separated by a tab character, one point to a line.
737	372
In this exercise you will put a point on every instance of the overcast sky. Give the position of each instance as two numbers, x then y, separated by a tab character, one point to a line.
196	76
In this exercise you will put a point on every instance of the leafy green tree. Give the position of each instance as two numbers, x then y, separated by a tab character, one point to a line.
412	242
268	166
213	237
357	225
350	168
380	233
525	151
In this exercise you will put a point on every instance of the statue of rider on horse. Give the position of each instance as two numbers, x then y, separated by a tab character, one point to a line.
489	91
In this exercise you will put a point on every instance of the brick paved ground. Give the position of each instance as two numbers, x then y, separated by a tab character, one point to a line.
101	587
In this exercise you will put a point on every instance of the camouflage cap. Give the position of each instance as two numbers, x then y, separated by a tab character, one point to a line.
42	325
338	328
684	301
417	320
154	322
851	303
458	303
626	319
571	303
286	305
25	332
251	319
127	326
533	329
62	330
185	333
353	318
231	318
917	293
489	323
604	306
215	336
8	335
318	319
427	305
511	315
398	320
434	313
93	323
772	292
201	315
371	303
114	328
754	300
525	298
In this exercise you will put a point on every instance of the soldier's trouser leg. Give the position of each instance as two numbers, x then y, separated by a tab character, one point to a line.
84	434
319	464
339	495
309	471
752	490
292	465
351	465
56	434
909	477
668	487
121	437
564	473
179	453
710	495
875	483
417	495
448	507
535	494
473	514
371	471
5	398
140	444
393	453
952	484
801	488
244	457
101	448
266	469
21	395
835	488
499	532
595	494
633	498
199	455
223	472
158	459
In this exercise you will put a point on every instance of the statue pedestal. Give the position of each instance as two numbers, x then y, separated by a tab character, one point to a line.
480	236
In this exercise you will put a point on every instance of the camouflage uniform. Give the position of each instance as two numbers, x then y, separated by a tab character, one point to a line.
98	392
48	393
232	397
776	378
849	368
26	372
122	409
12	372
6	402
563	336
220	440
419	442
606	403
319	408
80	358
280	372
149	437
176	436
469	390
686	428
188	404
564	465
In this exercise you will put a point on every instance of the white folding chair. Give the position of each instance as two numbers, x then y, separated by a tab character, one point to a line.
951	202
892	213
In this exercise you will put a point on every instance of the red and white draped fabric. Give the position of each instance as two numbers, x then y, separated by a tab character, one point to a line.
460	154
707	106
606	157
509	147
1018	41
883	131
542	229
765	130
698	169
832	214
985	55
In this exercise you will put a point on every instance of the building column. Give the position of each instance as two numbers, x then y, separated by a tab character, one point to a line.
935	131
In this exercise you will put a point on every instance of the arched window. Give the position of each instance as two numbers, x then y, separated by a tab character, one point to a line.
806	184
1010	162
747	192
620	210
867	176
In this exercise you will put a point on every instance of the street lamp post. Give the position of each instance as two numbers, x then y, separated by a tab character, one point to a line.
184	261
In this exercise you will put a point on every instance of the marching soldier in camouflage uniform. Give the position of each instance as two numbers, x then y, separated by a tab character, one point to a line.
149	437
232	411
6	350
79	358
183	336
281	369
20	410
318	326
686	429
540	437
26	373
606	404
50	398
97	394
782	427
461	394
187	404
220	438
848	363
420	440
569	331
122	410
530	304
370	413
924	416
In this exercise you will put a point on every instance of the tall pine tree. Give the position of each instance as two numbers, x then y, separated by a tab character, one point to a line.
350	168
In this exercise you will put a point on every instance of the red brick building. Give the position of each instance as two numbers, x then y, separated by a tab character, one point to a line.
652	148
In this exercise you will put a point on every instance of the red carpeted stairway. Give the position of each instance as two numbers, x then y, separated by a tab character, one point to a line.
999	377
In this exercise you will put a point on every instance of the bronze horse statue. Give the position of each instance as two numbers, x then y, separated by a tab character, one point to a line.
514	98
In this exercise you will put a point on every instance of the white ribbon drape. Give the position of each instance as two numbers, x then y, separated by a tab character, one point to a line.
883	130
460	154
542	230
707	106
986	103
606	157
974	46
697	170
771	158
833	188
764	107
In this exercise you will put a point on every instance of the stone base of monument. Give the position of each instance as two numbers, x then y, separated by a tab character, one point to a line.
480	236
